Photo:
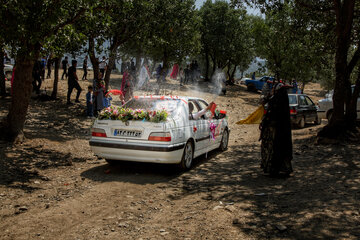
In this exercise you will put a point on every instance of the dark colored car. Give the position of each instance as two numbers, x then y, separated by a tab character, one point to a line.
302	110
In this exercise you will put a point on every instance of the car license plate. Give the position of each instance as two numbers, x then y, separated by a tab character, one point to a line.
127	133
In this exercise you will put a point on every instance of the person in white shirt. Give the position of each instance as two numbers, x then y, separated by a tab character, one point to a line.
196	116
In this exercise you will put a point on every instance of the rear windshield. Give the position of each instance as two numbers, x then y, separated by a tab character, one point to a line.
292	99
171	106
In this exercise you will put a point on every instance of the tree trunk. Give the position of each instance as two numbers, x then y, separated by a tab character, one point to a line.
93	58
344	20
228	71
351	109
2	76
138	61
21	98
214	66
56	78
207	66
232	76
112	58
344	11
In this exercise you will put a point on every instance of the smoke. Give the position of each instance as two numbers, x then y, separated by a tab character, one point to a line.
218	83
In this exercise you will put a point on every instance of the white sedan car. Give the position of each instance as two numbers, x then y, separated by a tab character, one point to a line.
178	140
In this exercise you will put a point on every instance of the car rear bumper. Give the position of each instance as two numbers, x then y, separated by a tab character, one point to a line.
154	153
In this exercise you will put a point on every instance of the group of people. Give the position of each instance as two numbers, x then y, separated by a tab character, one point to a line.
190	74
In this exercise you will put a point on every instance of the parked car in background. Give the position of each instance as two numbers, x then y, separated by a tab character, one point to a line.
8	71
177	140
325	106
257	84
302	110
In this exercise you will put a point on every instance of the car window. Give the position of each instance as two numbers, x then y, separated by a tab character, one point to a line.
302	100
202	104
195	107
292	99
309	101
171	106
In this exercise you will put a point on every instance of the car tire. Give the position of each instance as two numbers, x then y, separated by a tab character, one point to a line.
251	87
317	120
187	157
301	123
224	140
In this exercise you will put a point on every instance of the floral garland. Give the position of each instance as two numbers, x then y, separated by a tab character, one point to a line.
127	114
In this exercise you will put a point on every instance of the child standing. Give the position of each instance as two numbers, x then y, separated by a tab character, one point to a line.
90	102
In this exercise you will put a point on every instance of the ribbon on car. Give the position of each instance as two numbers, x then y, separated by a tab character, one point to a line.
212	130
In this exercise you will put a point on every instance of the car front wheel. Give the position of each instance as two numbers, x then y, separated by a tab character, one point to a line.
317	120
187	158
302	122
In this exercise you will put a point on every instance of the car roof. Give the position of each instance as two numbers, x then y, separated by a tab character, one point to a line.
168	97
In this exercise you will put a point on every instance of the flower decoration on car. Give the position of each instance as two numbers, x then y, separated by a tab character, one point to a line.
128	114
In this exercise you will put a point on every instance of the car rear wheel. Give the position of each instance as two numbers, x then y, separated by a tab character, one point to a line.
302	122
251	87
187	157
224	141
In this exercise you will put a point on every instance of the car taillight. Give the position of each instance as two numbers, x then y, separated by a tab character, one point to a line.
98	132
293	111
160	136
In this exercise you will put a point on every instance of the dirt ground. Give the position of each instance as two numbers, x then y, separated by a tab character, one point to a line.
52	187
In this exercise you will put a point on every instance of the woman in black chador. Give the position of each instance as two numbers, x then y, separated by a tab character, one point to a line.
276	143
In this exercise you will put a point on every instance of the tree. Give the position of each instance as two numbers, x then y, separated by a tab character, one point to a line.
27	25
337	26
225	37
174	32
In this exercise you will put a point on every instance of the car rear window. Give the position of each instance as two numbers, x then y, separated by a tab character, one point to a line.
170	105
292	99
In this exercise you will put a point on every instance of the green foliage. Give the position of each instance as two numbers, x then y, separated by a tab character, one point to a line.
226	35
174	31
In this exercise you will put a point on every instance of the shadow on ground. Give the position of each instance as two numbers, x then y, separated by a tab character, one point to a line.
324	190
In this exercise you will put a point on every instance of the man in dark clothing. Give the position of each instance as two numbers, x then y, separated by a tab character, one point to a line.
36	73
85	68
73	82
65	65
49	64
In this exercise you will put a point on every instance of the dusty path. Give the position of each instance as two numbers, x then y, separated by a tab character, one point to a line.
51	187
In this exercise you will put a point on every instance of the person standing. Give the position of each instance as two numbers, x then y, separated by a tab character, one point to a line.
276	142
90	102
73	82
36	74
99	89
65	64
126	86
85	68
182	76
43	66
48	65
102	67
